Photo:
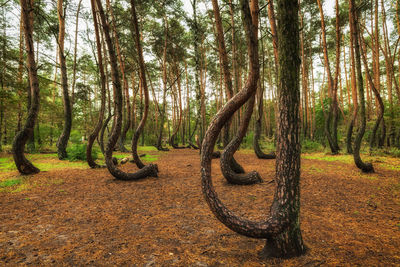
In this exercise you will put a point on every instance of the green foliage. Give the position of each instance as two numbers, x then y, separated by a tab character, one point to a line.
310	146
10	182
78	152
395	152
75	137
247	141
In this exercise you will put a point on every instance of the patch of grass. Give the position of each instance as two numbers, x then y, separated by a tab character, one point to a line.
10	182
47	166
150	158
324	157
147	148
315	169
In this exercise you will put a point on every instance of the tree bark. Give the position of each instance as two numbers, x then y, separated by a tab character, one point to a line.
365	167
75	52
149	170
23	165
257	130
228	159
142	72
282	228
64	137
379	118
164	78
96	130
332	85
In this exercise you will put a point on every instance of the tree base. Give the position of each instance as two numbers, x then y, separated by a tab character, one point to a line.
288	244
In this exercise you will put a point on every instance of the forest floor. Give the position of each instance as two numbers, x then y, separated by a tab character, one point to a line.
69	214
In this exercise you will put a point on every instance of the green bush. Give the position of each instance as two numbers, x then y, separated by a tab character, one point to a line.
310	146
78	152
395	152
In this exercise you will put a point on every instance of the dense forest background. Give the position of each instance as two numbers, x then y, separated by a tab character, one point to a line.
185	75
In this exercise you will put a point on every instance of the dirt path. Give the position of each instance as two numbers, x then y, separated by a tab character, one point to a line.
85	217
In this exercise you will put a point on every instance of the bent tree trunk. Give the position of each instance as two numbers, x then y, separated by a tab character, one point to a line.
282	228
95	133
239	178
142	72
365	167
257	130
64	137
149	170
103	129
379	119
24	166
234	165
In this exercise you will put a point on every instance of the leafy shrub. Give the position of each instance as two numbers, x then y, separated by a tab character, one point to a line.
75	137
310	146
395	152
247	141
78	152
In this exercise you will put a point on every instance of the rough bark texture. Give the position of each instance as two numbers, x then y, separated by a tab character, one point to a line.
231	176
96	130
365	167
228	159
282	227
103	129
64	137
24	166
149	170
378	97
142	71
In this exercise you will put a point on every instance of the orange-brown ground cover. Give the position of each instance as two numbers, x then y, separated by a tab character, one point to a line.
89	218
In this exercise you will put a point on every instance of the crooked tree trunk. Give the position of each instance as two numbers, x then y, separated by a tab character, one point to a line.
127	111
96	130
23	165
232	177
365	167
143	80
64	137
257	130
149	170
378	97
228	159
282	228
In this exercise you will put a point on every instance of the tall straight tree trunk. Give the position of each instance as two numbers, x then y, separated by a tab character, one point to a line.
96	130
282	227
64	137
332	84
164	79
149	170
350	127
24	166
75	52
365	167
